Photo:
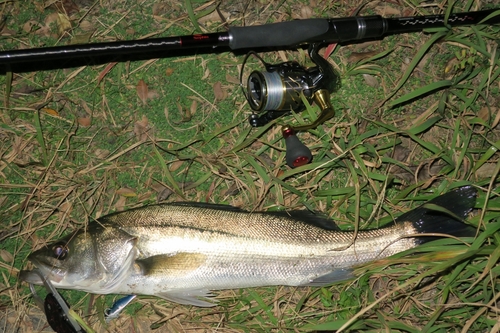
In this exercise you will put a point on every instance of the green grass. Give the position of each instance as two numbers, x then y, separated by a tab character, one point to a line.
436	94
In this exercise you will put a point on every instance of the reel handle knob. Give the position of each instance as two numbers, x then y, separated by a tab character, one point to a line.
297	154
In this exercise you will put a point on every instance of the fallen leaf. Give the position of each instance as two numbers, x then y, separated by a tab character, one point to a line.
142	91
126	192
84	121
387	11
160	8
210	191
157	187
105	71
9	32
25	89
370	80
487	170
268	161
400	153
6	256
408	11
101	153
232	79
120	203
50	111
212	17
206	74
141	128
358	56
164	194
423	62
63	23
306	12
44	31
232	190
82	38
51	19
451	65
152	94
484	114
497	117
219	92
69	7
174	166
28	26
65	208
86	26
192	109
169	71
145	196
185	113
426	171
329	50
165	112
86	107
162	191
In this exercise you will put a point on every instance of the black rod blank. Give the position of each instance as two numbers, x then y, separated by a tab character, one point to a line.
141	46
345	30
270	36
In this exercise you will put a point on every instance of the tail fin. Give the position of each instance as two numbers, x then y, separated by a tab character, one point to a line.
459	203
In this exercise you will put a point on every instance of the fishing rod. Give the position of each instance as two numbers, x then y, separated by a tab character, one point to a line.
270	93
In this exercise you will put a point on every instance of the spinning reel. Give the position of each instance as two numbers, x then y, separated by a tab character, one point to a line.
278	91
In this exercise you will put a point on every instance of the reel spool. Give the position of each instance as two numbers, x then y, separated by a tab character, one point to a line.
277	91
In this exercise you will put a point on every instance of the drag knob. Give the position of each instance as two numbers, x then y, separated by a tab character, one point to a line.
297	154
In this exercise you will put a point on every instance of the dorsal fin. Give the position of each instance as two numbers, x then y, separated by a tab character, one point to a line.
307	217
207	205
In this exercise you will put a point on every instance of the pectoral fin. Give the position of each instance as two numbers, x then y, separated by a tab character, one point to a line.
177	264
198	297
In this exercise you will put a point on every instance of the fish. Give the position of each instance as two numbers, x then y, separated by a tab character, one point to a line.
185	251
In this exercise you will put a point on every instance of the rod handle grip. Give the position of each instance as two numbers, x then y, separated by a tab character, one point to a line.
274	35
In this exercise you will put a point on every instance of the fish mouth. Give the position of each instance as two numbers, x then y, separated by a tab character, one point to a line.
31	277
34	276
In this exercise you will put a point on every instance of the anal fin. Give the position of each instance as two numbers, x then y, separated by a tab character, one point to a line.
196	297
329	278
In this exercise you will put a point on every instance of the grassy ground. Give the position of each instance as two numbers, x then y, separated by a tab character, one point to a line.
417	114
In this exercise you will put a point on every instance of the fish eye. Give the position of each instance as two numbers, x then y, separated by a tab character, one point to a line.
60	251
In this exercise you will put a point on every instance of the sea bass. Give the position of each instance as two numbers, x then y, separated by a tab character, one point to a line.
183	251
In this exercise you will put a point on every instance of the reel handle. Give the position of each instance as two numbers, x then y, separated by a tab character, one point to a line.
297	154
322	99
